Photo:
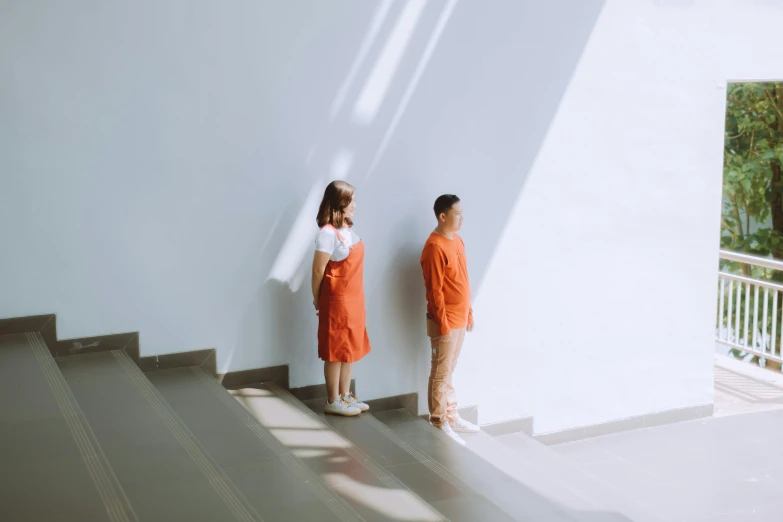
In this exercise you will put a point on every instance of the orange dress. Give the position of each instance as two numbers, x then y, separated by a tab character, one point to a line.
342	331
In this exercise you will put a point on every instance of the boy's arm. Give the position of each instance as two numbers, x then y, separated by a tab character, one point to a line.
433	265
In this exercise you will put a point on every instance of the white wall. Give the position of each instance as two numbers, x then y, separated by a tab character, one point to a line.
160	158
610	253
159	161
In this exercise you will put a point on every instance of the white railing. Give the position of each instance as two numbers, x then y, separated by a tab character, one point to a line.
740	299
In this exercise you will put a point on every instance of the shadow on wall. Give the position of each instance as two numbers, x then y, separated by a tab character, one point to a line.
474	127
221	123
397	318
463	109
278	324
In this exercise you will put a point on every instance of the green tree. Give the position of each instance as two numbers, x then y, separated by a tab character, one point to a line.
752	174
752	218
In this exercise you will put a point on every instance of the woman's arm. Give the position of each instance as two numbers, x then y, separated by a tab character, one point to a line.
320	261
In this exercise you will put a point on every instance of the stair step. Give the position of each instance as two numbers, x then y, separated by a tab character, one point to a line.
163	469
534	463
53	468
368	487
466	468
90	437
276	483
433	482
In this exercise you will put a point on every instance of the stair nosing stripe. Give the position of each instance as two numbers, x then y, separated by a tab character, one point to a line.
388	478
433	465
294	464
336	503
108	487
76	424
212	474
226	489
380	473
274	444
445	438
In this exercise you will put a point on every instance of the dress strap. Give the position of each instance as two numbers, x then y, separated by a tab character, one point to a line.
339	236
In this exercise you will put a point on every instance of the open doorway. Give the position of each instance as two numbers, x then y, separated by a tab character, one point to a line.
750	292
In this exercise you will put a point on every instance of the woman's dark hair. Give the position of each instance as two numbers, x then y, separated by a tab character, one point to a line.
337	196
444	203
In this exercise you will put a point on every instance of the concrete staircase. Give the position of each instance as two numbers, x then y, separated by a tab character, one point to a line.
91	437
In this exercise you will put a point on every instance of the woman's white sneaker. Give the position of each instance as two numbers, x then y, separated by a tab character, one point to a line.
463	426
340	407
446	428
350	399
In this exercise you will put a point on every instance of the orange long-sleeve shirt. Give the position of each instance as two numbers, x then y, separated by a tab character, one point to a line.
445	269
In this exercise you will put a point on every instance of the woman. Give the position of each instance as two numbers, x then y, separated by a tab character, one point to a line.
338	296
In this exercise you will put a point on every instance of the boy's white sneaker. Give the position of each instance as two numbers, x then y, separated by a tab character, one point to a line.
446	428
463	426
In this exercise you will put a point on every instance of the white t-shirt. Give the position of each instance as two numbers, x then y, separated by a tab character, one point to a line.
327	241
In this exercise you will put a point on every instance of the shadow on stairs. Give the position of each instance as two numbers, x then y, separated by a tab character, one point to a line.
91	437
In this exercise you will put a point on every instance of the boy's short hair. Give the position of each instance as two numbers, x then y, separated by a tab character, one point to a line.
444	203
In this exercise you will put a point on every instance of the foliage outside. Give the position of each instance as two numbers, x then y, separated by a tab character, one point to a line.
752	217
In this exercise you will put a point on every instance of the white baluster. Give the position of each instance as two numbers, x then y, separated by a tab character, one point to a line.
720	308
731	304
755	317
764	321
747	310
774	321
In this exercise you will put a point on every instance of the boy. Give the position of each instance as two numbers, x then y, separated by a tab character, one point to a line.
449	314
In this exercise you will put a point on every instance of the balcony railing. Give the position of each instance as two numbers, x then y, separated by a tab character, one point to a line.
741	300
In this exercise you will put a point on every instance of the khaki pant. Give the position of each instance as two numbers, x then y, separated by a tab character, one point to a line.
441	396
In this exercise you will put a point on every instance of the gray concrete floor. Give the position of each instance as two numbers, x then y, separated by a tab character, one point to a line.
727	468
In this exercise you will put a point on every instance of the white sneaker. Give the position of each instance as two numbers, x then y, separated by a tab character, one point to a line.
340	407
448	431
350	399
463	426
